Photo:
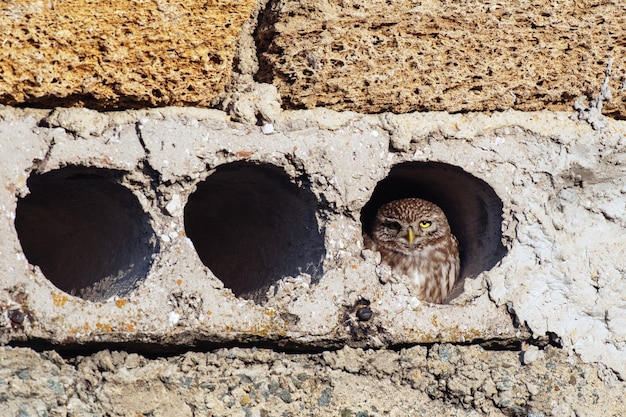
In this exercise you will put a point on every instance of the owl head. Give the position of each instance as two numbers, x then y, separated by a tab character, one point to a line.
409	226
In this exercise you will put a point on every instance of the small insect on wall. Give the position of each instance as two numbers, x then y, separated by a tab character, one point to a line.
472	208
87	233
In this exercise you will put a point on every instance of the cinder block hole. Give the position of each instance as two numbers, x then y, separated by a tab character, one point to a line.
251	226
87	233
472	207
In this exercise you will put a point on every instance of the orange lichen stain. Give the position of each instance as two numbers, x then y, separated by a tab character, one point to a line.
433	320
86	327
263	332
105	327
456	334
245	400
354	266
120	303
472	334
59	299
179	281
130	327
269	330
243	154
421	337
209	312
270	313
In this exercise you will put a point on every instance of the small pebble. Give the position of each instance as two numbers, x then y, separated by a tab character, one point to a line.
16	316
174	318
267	128
530	355
174	206
364	313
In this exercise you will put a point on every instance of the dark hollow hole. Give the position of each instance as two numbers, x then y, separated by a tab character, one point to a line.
251	226
472	207
87	233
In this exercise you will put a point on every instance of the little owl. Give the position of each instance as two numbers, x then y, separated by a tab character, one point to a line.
414	238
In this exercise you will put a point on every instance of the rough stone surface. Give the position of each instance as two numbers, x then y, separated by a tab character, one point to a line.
556	280
406	56
164	156
126	246
444	55
430	381
132	53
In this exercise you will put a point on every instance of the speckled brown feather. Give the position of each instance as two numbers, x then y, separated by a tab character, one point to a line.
432	260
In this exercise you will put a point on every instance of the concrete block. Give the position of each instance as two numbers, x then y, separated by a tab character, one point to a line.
178	227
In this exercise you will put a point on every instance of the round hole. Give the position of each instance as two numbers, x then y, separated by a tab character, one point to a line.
87	233
252	226
472	207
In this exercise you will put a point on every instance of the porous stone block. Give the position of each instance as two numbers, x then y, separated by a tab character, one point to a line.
123	54
449	55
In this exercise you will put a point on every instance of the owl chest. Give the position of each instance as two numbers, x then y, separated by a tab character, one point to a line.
417	267
417	278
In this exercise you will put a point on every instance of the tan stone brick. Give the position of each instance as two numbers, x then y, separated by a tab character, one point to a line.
117	54
447	55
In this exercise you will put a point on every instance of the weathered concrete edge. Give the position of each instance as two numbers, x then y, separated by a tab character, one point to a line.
309	124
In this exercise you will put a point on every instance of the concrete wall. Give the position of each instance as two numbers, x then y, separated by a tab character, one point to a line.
184	234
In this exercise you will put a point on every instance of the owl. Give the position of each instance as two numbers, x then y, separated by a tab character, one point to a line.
414	238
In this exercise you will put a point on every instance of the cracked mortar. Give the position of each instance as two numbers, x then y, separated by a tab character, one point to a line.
543	192
439	380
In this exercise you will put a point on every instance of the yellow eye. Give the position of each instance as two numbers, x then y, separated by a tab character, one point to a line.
424	224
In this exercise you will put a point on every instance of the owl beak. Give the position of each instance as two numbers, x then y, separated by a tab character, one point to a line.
410	235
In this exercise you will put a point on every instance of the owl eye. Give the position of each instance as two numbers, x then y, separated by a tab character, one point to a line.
424	224
395	226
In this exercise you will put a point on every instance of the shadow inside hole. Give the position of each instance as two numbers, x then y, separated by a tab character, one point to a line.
251	226
472	207
86	232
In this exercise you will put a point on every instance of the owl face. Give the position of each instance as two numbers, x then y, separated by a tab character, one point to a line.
410	225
